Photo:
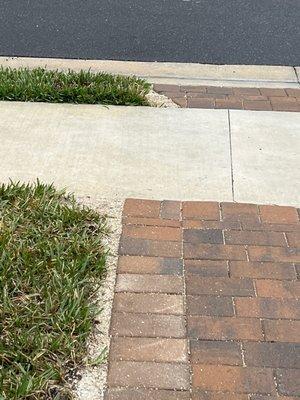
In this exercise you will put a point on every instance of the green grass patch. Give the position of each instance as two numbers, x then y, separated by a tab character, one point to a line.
82	87
52	260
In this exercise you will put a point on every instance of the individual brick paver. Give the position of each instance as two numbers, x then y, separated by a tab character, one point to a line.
207	301
264	99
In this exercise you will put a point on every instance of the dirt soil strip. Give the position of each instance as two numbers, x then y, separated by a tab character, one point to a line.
206	290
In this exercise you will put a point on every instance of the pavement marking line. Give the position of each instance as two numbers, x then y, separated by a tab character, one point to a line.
174	73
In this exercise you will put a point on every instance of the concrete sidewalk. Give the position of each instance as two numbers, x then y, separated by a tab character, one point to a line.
219	155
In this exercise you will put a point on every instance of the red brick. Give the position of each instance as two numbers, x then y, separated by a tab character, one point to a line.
149	265
146	394
214	251
224	328
258	397
210	305
158	87
283	100
203	210
282	331
157	303
148	349
273	92
275	355
200	103
267	308
213	236
293	92
197	224
152	248
257	105
204	395
141	208
205	95
152	232
219	90
233	103
288	382
215	352
148	375
293	239
280	289
234	379
240	212
260	238
196	89
270	227
206	267
247	91
170	210
150	221
149	283
278	214
274	254
284	271
147	325
219	286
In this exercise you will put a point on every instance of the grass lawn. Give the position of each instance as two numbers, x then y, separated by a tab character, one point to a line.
52	259
71	87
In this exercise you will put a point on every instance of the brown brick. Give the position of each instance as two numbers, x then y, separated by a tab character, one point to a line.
219	90
205	95
219	286
203	210
197	224
277	355
273	92
152	232
170	210
214	251
280	289
261	238
278	214
146	394
204	395
233	103
284	271
196	89
147	325
267	397
270	227
181	101
274	254
293	92
210	305
215	352
148	349
141	208
200	103
152	248
150	221
257	105
288	382
253	98
224	328
247	91
149	283
158	87
286	105
293	239
157	303
267	308
282	331
234	379
150	265
206	267
148	375
213	236
240	212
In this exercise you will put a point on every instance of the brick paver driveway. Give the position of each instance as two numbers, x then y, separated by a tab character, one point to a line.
207	303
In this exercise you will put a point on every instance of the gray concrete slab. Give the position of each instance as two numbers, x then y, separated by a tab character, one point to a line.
266	156
118	151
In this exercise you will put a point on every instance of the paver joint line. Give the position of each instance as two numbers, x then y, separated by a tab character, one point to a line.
234	311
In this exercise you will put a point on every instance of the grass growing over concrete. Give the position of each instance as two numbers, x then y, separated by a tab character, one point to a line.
71	87
52	259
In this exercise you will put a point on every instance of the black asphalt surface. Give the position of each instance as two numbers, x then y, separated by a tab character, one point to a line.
202	31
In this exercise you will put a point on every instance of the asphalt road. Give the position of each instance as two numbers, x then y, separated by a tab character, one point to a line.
204	31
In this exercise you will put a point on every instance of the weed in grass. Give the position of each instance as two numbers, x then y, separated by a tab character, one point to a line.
71	87
52	260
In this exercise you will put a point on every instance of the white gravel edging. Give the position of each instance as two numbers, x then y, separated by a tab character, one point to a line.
160	100
92	384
